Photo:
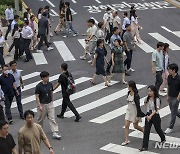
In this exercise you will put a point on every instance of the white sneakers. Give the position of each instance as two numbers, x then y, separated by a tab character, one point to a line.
39	51
65	36
168	130
56	136
132	70
82	57
75	35
50	48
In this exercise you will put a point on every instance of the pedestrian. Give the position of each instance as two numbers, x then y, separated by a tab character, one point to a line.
152	103
63	81
99	60
117	56
108	24
2	99
157	64
31	25
7	143
43	30
62	22
8	85
165	67
19	84
100	31
128	43
135	27
31	135
68	18
9	12
133	112
27	14
27	35
40	11
2	44
125	22
14	24
173	96
117	20
44	99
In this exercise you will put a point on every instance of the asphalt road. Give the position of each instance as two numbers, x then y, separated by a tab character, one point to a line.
88	137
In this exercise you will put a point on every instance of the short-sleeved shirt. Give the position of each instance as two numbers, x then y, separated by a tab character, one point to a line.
100	34
173	85
45	92
116	21
30	138
68	13
125	21
7	144
112	39
2	41
6	83
94	33
128	38
157	57
17	76
150	105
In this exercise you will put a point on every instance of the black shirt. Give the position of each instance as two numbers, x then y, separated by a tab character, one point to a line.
7	144
45	92
68	13
6	83
173	85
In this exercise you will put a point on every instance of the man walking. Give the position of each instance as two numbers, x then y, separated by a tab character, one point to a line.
125	22
31	135
7	143
43	30
44	99
173	95
9	17
63	81
157	64
19	83
8	86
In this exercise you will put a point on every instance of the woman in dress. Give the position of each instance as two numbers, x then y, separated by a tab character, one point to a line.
152	103
133	113
99	59
118	61
135	27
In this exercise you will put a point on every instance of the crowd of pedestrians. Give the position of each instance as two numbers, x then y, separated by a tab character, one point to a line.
112	34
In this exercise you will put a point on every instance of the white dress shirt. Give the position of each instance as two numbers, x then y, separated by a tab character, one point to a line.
9	14
125	21
27	32
17	77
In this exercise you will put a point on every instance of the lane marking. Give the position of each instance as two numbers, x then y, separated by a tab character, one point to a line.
39	58
123	149
64	51
177	33
82	42
32	98
98	1
74	1
145	47
50	3
54	14
161	38
99	102
82	93
94	20
113	114
31	75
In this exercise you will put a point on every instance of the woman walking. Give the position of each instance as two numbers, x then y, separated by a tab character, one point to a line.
118	60
133	113
152	104
99	58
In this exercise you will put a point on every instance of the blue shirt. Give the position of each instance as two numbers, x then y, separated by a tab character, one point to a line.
6	83
113	38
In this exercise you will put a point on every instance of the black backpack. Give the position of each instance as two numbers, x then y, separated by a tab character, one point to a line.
71	88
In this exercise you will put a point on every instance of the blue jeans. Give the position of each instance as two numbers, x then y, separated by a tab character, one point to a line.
18	101
70	27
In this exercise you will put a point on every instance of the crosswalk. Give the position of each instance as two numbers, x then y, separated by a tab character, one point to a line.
66	52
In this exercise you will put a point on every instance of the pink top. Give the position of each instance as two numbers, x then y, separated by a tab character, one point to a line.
31	24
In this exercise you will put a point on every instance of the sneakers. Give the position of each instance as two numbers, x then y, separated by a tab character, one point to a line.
56	136
10	122
168	130
82	57
132	70
50	48
39	51
90	61
125	143
60	116
75	35
65	36
77	119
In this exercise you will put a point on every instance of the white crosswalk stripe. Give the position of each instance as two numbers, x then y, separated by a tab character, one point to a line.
145	47
39	58
177	33
31	75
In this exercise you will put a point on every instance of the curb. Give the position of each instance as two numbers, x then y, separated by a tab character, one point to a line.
174	2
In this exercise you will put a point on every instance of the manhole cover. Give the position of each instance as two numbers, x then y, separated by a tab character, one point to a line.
79	72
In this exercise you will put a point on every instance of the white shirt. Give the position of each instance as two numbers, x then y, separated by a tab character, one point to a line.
12	24
108	18
16	34
125	21
9	14
17	76
27	32
39	16
2	41
100	34
116	21
94	33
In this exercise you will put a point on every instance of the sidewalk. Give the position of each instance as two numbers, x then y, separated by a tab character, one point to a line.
174	2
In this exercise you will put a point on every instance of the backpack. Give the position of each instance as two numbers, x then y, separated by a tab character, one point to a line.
71	88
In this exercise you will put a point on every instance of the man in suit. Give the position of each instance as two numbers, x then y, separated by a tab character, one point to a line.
43	30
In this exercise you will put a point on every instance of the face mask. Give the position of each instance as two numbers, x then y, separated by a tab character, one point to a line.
6	72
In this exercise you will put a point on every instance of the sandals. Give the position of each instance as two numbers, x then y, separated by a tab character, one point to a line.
125	143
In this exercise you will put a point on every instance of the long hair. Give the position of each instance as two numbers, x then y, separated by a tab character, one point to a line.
132	84
156	95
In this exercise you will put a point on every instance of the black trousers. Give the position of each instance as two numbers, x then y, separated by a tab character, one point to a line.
42	38
128	59
2	117
17	48
11	47
156	121
159	79
109	33
67	103
9	29
27	43
2	63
